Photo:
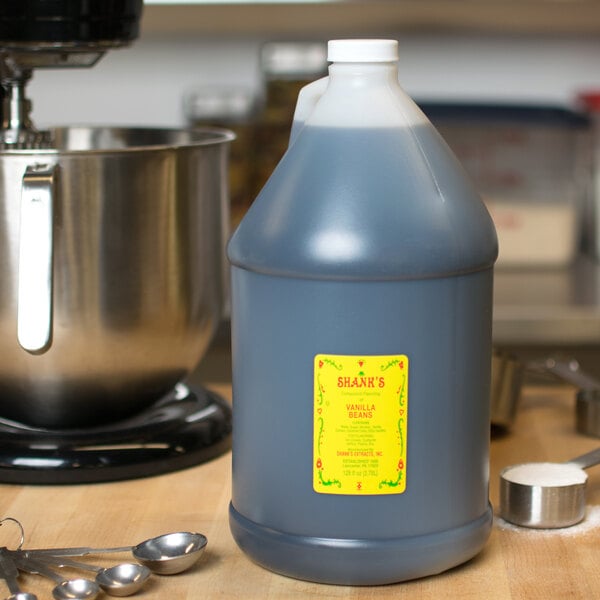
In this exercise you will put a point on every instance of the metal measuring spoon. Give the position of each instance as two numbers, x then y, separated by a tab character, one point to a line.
546	495
165	554
170	553
66	589
10	573
120	580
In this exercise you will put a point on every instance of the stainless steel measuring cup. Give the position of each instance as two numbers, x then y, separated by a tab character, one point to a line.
546	495
587	403
507	379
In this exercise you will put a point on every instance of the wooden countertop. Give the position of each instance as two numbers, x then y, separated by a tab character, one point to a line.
516	563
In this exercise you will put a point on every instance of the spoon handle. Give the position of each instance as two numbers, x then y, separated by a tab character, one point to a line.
36	568
60	561
587	460
9	571
77	551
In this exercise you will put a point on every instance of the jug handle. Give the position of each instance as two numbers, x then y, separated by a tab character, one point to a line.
308	97
34	305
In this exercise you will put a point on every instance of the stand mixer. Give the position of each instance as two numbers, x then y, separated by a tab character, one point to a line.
39	34
112	270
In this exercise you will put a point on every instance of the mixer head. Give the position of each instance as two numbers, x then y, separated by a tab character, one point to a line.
53	34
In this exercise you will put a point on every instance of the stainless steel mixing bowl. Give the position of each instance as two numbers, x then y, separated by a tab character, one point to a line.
112	265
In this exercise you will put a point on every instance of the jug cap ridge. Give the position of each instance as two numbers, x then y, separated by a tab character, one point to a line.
362	50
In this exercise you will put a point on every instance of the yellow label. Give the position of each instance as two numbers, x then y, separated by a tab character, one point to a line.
360	424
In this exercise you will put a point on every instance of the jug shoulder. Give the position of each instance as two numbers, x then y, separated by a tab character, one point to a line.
366	204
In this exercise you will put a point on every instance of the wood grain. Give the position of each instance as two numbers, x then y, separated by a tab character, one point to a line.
515	564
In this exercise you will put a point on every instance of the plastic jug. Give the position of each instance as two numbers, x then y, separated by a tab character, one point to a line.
361	335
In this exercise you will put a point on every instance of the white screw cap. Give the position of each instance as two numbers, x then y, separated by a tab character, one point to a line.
362	51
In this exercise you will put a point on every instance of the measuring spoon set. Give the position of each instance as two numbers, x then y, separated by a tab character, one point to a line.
166	554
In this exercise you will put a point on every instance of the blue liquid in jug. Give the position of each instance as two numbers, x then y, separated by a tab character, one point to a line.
364	242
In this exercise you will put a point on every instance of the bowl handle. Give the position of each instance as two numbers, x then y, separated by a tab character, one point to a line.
34	306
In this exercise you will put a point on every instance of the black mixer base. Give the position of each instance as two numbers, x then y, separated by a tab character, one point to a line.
187	427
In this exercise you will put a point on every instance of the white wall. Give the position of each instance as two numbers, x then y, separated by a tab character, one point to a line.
145	84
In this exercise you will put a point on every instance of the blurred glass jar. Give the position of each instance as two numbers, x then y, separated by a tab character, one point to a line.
286	67
234	108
